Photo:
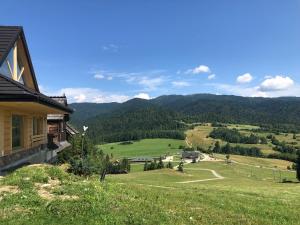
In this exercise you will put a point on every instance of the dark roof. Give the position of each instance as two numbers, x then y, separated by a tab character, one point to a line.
11	90
8	36
60	99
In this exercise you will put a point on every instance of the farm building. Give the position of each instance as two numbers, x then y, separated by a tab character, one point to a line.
23	108
190	154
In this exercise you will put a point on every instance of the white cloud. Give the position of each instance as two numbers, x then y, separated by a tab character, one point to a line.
109	78
180	84
271	87
99	76
245	78
277	83
211	76
88	95
149	83
198	70
238	90
110	48
79	97
143	96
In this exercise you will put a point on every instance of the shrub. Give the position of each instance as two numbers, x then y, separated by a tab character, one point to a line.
180	167
169	165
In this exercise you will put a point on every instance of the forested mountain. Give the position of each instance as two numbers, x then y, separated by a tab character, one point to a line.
159	117
84	111
133	120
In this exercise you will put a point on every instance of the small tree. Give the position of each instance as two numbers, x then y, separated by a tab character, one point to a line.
180	167
160	164
217	147
169	165
298	165
227	158
146	166
294	136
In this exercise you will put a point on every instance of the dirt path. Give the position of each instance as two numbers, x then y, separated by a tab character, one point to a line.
262	167
187	143
217	176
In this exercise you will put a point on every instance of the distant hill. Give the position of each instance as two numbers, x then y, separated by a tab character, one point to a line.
132	120
159	117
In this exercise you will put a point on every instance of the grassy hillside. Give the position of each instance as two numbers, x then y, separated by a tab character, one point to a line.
199	136
246	195
145	147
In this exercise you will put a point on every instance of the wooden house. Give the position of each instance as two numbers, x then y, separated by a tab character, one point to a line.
59	130
23	108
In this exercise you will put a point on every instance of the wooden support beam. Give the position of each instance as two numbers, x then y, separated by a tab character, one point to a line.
21	73
15	63
9	67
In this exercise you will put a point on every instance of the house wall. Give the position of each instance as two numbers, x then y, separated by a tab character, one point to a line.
1	133
29	140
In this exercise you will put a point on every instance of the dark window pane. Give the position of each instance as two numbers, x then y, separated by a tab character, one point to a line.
17	122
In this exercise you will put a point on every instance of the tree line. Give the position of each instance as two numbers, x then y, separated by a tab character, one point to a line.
234	136
86	159
237	150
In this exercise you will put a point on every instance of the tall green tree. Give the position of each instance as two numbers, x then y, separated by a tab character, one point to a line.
217	147
298	165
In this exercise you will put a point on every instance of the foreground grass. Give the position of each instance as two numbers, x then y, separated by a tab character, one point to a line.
247	195
145	147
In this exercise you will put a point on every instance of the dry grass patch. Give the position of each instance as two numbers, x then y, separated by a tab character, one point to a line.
5	190
45	190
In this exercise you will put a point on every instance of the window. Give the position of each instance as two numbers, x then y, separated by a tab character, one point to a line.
37	125
17	127
6	71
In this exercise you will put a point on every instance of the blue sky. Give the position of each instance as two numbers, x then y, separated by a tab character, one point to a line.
103	51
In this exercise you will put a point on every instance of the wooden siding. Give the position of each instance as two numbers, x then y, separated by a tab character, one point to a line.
1	133
28	139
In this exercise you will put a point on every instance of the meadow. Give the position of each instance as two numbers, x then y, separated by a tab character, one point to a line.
246	191
45	194
146	147
199	136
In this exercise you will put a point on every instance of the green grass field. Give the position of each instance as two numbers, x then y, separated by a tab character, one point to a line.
145	147
246	192
246	195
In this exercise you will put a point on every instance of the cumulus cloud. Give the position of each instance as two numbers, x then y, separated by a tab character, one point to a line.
198	70
180	84
211	76
239	90
277	83
277	86
245	78
143	96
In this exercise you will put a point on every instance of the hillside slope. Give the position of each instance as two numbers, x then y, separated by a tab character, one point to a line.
136	117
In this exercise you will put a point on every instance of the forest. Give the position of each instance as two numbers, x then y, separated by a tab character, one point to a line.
169	116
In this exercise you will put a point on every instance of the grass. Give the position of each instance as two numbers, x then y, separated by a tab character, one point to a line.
247	195
199	137
145	147
264	162
250	193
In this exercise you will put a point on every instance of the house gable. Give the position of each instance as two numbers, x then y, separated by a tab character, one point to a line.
15	61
